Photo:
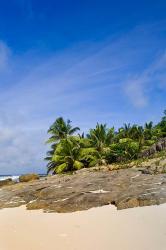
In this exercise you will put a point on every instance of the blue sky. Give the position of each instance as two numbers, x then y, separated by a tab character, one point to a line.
90	61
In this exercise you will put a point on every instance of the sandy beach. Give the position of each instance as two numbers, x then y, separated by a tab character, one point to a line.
101	228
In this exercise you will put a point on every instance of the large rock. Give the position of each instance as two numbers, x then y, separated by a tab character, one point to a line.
153	166
89	188
8	181
157	147
28	177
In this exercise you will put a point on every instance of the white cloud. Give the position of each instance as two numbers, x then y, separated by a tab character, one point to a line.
21	151
135	91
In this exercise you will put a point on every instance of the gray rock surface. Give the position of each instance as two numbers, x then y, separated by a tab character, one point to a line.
87	188
157	147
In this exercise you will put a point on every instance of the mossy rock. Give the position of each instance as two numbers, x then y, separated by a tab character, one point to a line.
8	181
29	177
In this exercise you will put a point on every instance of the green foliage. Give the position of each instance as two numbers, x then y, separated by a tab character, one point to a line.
71	154
125	140
126	149
102	145
149	142
162	125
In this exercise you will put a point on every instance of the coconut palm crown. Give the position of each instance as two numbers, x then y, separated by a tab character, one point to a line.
61	129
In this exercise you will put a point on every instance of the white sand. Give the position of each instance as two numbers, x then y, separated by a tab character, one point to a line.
102	228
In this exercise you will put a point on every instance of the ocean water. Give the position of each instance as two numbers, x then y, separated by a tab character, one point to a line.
13	177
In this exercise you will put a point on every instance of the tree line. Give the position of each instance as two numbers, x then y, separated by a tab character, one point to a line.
100	146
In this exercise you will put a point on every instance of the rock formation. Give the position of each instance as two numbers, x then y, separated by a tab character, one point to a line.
157	147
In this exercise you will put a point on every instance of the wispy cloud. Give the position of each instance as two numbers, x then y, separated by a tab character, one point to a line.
138	88
135	90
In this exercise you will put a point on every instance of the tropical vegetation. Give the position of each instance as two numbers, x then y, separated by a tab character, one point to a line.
100	146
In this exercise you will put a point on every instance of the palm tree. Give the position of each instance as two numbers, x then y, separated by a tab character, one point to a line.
70	155
162	125
101	137
126	130
61	129
50	153
133	132
149	125
148	130
65	157
123	132
137	134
